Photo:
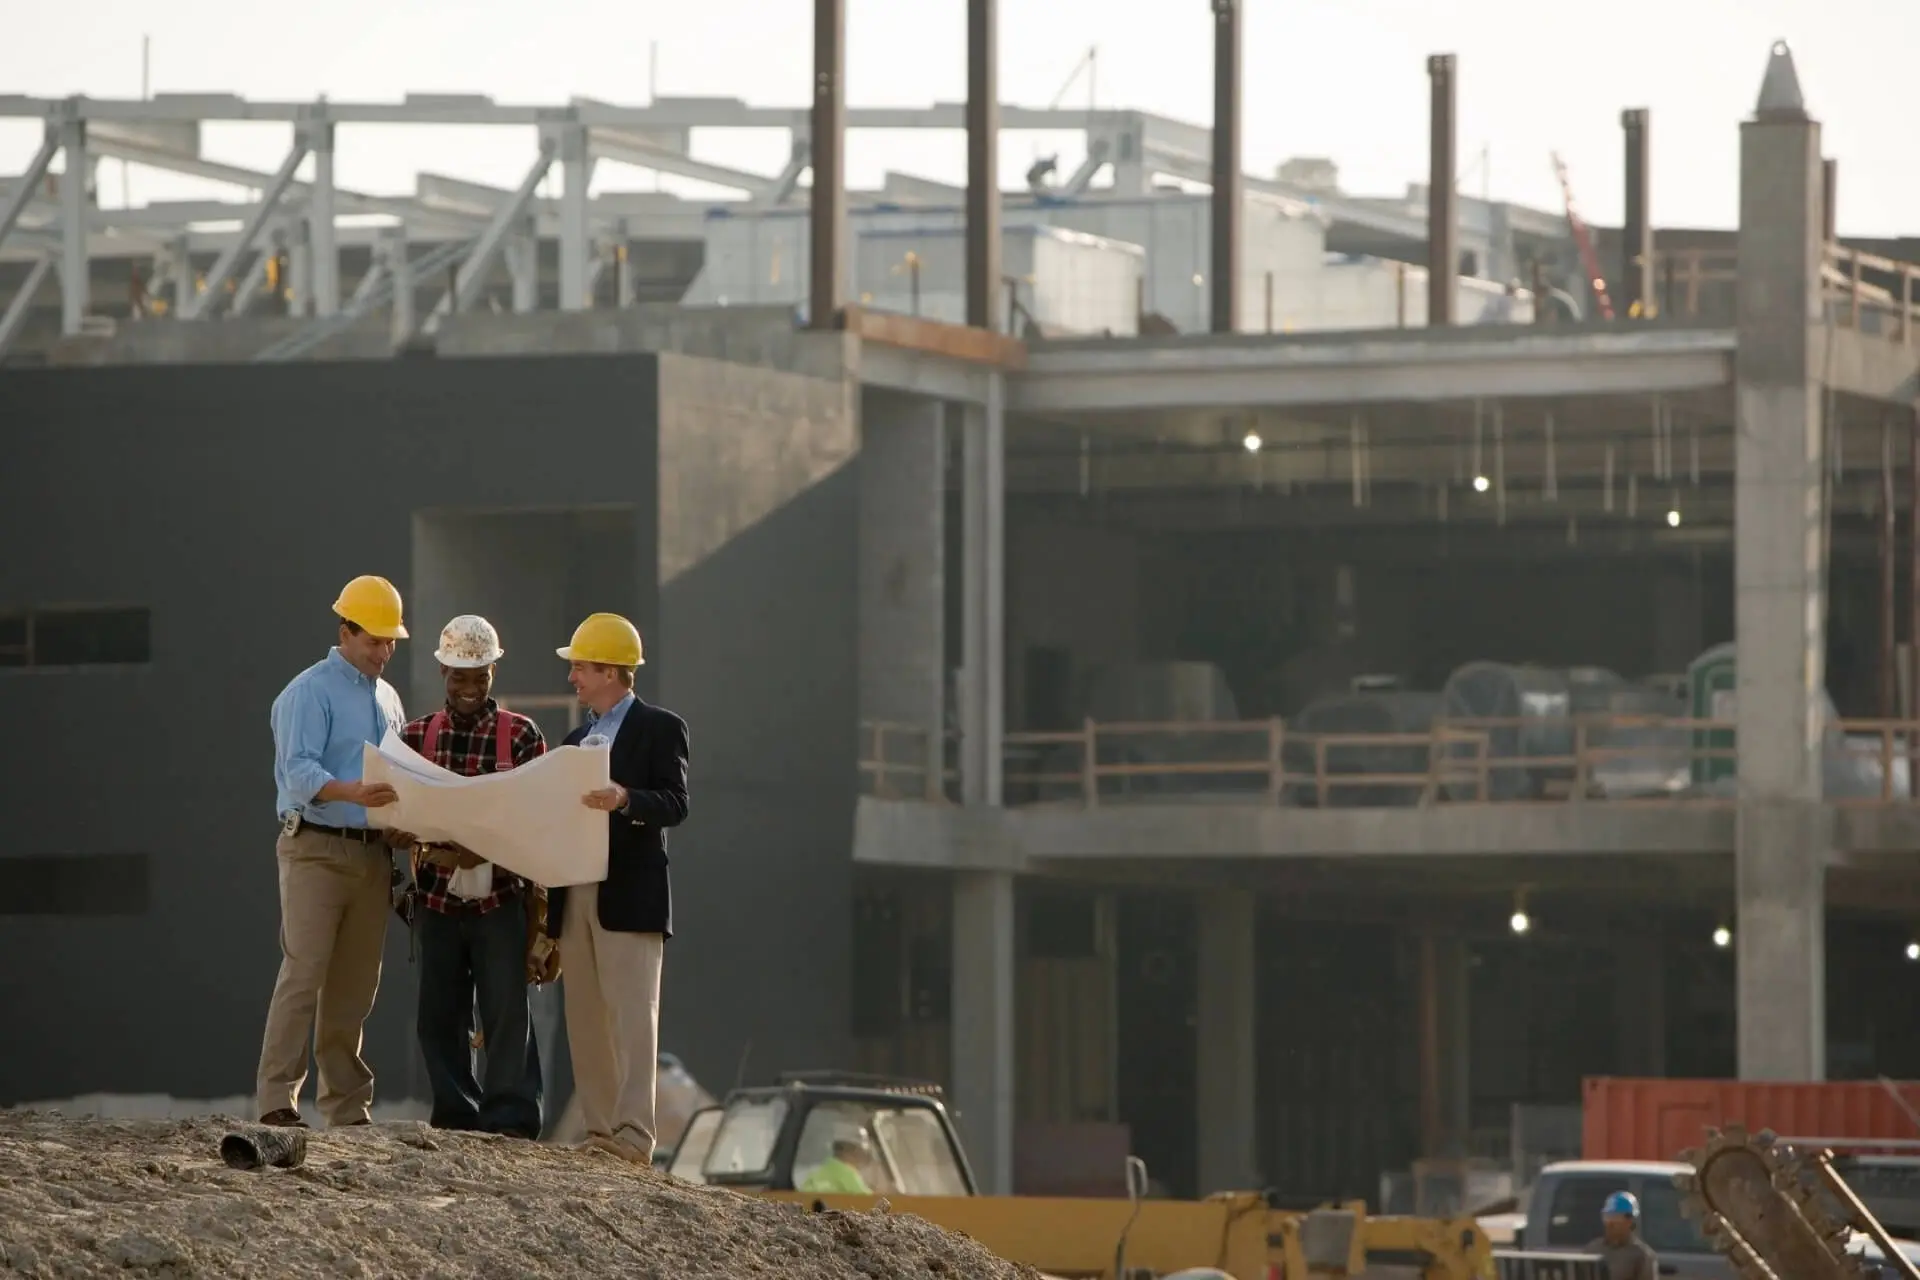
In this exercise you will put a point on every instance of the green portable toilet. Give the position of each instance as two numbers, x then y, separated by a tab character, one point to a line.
1712	694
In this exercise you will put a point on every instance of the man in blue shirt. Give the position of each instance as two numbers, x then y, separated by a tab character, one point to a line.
335	868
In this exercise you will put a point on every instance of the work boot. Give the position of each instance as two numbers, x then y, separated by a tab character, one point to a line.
284	1118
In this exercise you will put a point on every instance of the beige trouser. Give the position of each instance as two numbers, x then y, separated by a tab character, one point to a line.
334	899
612	985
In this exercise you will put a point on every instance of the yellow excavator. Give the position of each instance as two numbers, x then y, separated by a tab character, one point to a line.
837	1142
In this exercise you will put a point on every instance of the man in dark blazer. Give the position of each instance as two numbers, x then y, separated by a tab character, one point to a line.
613	934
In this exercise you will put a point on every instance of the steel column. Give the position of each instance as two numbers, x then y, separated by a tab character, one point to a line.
1830	198
1889	654
74	210
1912	709
1636	235
1443	223
827	144
320	228
576	171
1224	286
983	163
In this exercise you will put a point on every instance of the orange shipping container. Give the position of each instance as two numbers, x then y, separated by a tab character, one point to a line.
1628	1119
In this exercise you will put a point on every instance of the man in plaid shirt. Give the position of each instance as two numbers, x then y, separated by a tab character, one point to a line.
476	925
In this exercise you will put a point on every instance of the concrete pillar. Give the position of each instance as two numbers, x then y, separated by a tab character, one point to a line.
983	1020
983	594
1225	1135
1783	827
576	170
903	516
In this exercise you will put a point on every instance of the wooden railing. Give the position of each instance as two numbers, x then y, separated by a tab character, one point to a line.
1682	276
903	762
1613	759
1843	274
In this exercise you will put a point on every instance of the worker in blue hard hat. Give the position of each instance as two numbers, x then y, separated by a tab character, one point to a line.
1627	1256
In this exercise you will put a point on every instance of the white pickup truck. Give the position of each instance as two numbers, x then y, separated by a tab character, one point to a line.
1561	1214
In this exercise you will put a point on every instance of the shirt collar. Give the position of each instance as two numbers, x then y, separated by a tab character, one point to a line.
340	663
616	713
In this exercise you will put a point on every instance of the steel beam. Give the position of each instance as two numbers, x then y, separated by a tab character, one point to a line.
827	136
1223	289
201	302
788	179
16	314
1443	223
1636	235
28	182
1139	376
983	163
610	144
472	274
1830	198
352	202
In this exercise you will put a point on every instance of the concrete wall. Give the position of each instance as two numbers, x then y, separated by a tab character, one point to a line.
758	529
234	501
710	502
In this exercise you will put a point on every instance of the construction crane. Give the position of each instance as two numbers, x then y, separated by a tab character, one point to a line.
1588	259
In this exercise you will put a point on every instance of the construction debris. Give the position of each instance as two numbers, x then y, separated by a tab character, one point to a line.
88	1197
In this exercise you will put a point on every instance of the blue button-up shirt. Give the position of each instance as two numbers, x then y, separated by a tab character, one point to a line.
608	725
321	720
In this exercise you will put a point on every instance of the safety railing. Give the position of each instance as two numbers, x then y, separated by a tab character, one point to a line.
901	762
1861	290
1611	759
1886	305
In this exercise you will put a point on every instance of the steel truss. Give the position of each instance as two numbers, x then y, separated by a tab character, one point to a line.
293	225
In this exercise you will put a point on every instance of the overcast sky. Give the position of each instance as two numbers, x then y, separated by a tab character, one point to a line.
1339	78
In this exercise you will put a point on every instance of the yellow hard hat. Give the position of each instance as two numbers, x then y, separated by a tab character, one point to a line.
373	604
604	637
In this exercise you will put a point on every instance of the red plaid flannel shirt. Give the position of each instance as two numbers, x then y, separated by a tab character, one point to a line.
470	752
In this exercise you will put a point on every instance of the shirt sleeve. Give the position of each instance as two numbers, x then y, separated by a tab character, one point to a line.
528	742
300	723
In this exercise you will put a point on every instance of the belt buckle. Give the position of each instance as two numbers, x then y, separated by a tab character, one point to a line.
291	826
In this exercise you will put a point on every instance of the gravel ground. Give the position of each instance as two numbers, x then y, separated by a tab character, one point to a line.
88	1197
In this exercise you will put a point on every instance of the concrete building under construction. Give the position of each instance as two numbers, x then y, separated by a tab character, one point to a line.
1244	678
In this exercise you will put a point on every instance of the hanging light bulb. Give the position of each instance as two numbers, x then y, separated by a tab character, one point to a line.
1722	937
1480	484
1252	442
1673	518
1520	922
1913	951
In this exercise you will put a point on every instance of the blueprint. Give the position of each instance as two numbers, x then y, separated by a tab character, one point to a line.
528	820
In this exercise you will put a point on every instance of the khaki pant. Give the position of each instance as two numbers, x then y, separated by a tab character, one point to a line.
612	986
334	899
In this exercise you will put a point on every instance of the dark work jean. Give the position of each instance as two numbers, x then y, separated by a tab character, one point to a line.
464	954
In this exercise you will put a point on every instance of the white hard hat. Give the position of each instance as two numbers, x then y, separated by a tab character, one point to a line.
469	641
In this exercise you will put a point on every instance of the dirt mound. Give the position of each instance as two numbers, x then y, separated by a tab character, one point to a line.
101	1197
